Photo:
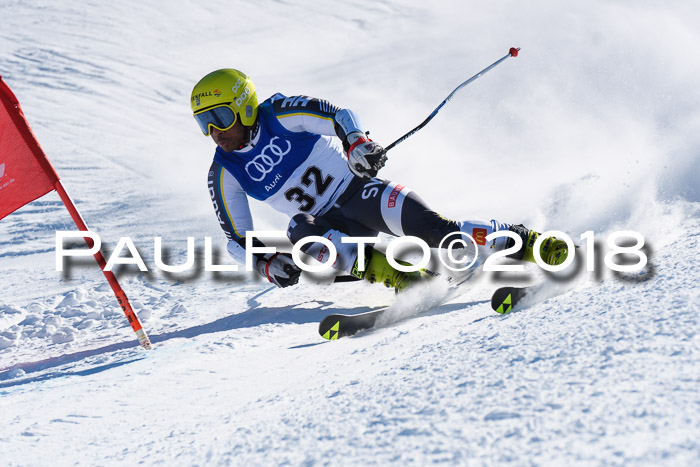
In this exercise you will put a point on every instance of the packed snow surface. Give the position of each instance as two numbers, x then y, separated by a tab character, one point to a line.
595	126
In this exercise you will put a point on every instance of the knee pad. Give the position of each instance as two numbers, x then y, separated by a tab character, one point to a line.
305	225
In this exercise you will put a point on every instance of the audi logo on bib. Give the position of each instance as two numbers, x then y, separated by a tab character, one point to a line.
264	162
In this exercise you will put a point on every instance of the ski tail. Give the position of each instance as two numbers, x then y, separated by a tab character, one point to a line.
505	299
333	327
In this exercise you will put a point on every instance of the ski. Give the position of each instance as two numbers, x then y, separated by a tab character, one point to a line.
335	326
505	299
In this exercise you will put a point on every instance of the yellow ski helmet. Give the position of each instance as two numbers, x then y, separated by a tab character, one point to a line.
221	97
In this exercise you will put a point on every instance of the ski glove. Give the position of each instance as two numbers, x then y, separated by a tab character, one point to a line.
365	157
279	268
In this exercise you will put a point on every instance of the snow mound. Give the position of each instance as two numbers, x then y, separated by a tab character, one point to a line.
81	314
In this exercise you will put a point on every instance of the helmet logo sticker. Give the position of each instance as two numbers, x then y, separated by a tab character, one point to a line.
197	98
217	93
240	100
237	85
263	163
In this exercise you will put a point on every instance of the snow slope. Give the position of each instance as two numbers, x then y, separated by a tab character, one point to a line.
593	127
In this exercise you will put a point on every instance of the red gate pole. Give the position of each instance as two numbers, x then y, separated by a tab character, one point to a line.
118	292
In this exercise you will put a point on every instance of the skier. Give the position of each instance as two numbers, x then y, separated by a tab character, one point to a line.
314	161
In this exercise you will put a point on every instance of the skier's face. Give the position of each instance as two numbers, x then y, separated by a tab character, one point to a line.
231	139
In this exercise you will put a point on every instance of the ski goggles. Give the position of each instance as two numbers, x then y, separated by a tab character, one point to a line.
222	117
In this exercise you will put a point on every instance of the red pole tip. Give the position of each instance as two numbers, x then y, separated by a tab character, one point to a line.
513	51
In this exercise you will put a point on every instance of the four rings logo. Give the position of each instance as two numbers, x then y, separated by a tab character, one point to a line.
263	163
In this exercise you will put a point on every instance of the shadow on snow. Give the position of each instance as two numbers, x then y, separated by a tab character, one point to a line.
254	316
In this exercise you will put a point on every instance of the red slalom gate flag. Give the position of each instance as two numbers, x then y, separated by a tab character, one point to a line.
26	174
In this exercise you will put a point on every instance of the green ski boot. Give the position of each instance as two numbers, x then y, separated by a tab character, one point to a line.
553	251
378	269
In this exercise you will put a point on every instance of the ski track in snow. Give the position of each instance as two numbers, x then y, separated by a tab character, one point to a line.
600	370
